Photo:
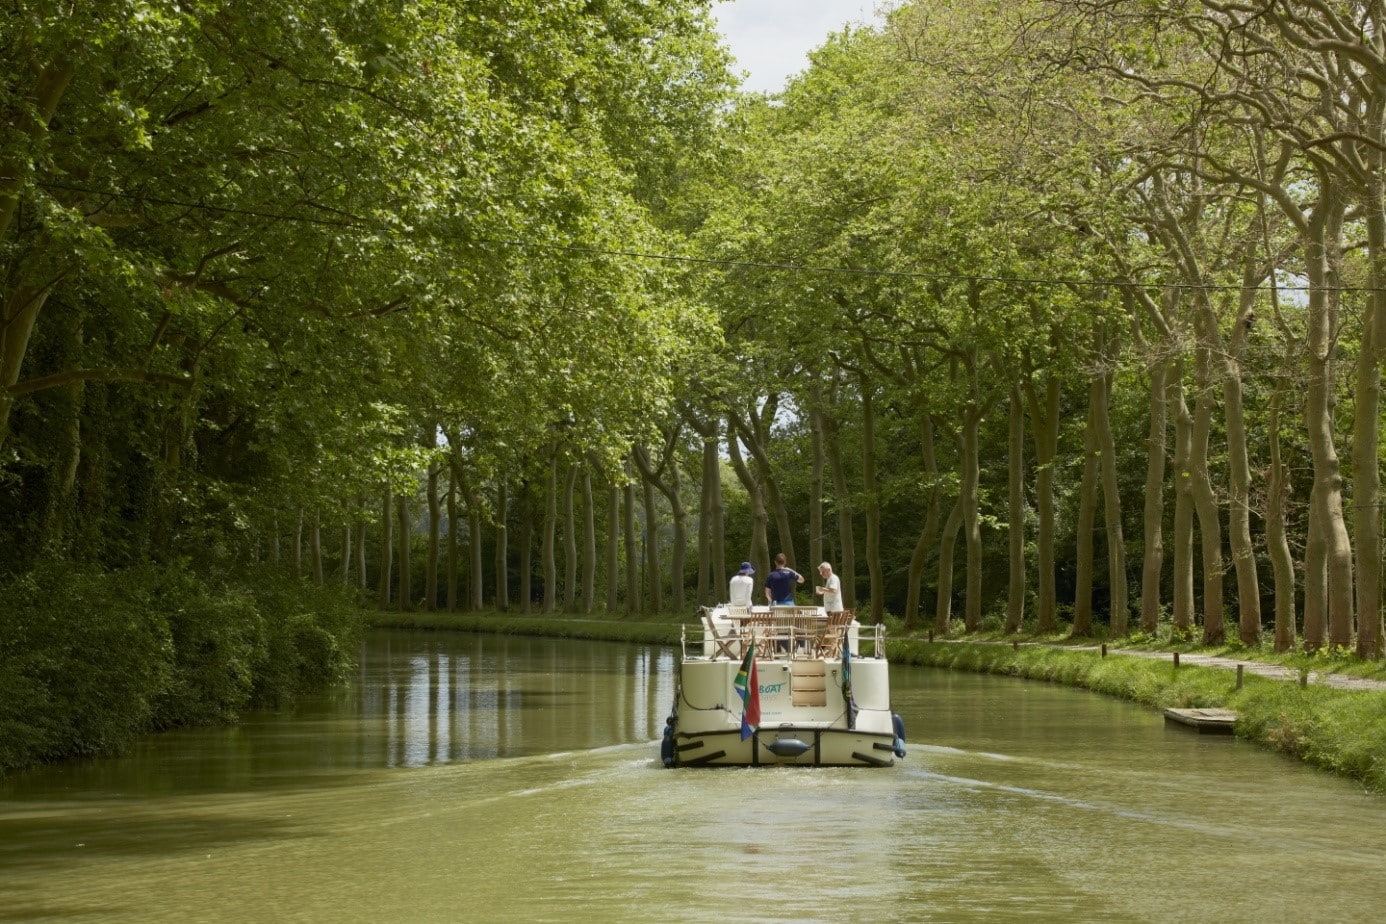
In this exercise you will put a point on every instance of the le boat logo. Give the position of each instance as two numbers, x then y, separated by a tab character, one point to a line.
767	688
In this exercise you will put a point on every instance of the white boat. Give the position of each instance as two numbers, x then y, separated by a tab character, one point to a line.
814	690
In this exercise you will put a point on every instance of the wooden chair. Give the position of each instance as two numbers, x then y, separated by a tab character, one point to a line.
808	627
763	627
834	634
721	644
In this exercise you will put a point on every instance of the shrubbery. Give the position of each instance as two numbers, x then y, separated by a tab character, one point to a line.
89	659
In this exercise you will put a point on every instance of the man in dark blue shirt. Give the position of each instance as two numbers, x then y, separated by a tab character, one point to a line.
779	584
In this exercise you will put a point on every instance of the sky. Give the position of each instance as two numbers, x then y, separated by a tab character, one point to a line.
771	39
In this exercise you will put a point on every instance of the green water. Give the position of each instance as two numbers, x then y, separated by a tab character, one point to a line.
468	778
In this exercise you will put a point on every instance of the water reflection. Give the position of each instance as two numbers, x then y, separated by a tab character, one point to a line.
445	698
381	802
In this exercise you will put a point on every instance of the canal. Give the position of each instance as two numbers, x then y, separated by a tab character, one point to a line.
488	778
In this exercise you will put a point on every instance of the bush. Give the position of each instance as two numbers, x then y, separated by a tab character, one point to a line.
218	641
310	635
89	659
83	655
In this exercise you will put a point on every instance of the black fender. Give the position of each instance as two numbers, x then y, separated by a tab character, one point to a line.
667	752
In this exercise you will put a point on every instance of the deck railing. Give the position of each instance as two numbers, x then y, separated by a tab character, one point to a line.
786	638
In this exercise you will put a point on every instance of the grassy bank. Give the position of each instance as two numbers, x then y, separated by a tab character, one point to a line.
1338	730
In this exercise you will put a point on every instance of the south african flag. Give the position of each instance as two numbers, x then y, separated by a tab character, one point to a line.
748	688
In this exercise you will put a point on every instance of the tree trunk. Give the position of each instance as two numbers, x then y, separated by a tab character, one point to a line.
680	549
361	547
1044	418
632	553
1366	443
452	552
502	549
1087	512
653	578
760	543
60	515
1015	510
526	549
570	543
387	550
943	610
971	508
754	436
929	534
815	486
613	545
1111	498
435	532
1183	509
549	551
31	118
1328	559
1239	465
474	543
716	517
842	498
589	543
1277	542
315	548
345	570
298	546
873	504
21	310
1153	555
405	601
1204	499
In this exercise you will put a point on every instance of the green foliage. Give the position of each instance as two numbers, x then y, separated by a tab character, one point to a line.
82	658
217	642
89	659
310	635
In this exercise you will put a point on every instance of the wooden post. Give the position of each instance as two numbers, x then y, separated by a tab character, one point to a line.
931	636
1304	677
1104	649
1240	668
1176	659
1015	646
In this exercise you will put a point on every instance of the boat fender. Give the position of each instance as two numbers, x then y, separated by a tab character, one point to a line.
899	734
788	747
666	747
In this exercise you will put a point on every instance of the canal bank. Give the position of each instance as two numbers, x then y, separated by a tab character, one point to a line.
1342	730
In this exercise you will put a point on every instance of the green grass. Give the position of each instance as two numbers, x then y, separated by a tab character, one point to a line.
1338	730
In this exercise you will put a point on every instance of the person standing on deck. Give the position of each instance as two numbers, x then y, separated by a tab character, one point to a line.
779	584
830	590
742	586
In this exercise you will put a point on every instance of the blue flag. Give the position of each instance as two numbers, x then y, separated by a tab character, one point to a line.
847	696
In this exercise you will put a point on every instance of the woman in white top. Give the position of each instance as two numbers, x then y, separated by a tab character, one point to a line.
830	590
742	585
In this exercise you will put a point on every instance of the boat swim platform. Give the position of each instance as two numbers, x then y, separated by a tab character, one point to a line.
1204	721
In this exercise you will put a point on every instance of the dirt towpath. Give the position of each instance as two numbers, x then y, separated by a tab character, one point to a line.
1259	668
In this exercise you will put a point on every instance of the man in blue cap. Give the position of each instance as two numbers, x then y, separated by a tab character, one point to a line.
742	586
779	585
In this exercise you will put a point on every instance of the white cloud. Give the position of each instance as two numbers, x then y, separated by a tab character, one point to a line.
771	39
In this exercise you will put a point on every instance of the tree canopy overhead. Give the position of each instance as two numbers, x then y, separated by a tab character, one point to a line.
1065	279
